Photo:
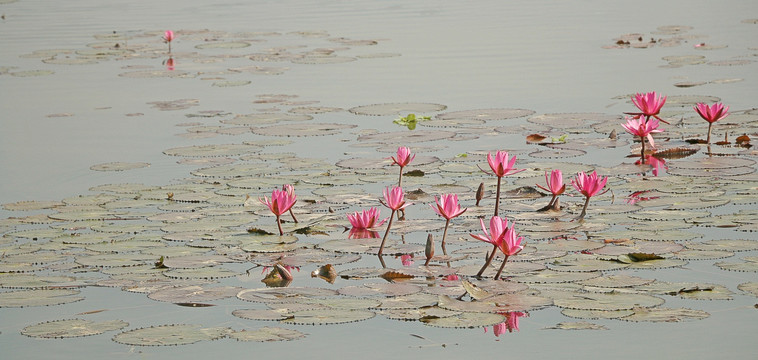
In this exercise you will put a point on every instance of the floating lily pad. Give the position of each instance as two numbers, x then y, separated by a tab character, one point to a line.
596	314
267	334
119	166
180	334
223	45
212	150
283	295
40	297
749	287
608	301
464	320
577	325
666	315
308	129
191	294
390	289
328	317
72	328
396	109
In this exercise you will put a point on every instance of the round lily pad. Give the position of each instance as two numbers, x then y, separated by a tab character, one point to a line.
749	287
192	294
328	316
212	150
163	335
119	166
39	297
283	295
464	320
577	325
308	129
596	314
267	334
608	301
72	328
396	109
666	315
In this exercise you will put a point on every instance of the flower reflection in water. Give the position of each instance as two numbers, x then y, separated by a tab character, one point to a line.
510	323
356	233
655	162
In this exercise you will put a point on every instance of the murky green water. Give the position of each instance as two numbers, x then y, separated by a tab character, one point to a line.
545	56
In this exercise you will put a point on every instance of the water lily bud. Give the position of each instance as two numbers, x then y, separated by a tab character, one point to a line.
479	193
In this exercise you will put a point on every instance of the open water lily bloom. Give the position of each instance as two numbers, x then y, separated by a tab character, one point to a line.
501	165
394	199
495	234
511	243
589	185
554	182
643	129
711	114
650	105
366	219
447	206
281	201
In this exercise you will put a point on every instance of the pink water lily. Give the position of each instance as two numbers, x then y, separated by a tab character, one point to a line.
509	246
447	206
650	105
643	129
494	236
402	159
501	166
589	186
168	36
555	186
366	219
281	201
291	192
711	114
393	199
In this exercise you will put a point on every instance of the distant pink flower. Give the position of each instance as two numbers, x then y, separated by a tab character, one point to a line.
447	206
280	202
496	232
650	105
168	36
367	219
394	199
452	277
407	259
711	114
404	157
589	186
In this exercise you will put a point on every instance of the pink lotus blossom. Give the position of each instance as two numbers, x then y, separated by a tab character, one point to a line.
555	186
589	186
367	219
168	36
650	105
404	157
643	129
394	199
496	232
511	244
711	114
501	165
447	206
280	202
406	260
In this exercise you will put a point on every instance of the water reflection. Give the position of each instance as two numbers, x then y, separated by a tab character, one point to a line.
356	233
279	276
510	323
406	260
655	163
169	63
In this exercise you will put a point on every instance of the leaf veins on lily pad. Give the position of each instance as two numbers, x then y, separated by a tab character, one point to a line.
180	334
72	328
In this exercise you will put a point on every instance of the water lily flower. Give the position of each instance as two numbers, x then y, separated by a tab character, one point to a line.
447	206
589	185
501	166
555	186
510	245
407	259
494	236
168	36
403	158
393	199
291	192
650	105
643	129
367	219
281	201
711	114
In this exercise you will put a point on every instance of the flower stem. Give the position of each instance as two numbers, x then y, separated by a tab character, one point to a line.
400	178
488	262
497	198
279	224
642	152
710	127
444	236
389	224
293	216
497	276
584	209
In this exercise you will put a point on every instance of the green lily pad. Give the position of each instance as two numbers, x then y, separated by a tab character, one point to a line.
164	335
267	334
608	301
328	316
38	297
665	315
577	325
71	328
464	320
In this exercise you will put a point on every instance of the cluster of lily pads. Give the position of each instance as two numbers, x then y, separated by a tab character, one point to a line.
195	241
